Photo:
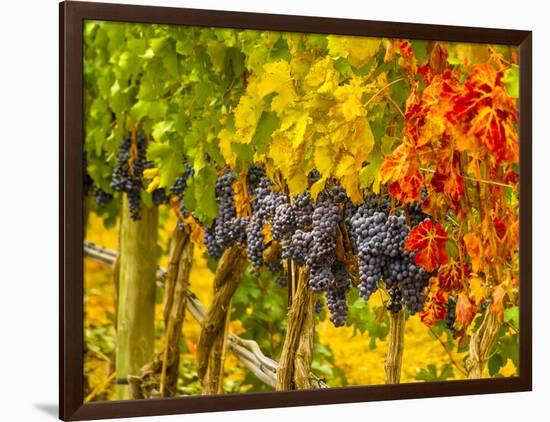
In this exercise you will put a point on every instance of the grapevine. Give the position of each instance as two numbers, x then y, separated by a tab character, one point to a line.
372	182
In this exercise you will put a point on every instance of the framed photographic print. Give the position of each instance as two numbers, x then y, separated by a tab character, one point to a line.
267	210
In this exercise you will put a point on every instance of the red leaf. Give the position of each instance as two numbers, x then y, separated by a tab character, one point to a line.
465	311
485	108
500	227
450	276
428	240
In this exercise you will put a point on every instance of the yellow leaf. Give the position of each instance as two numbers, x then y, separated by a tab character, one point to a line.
318	187
154	184
358	50
150	173
347	171
475	250
349	103
277	79
225	137
478	291
324	156
247	115
361	140
300	130
322	76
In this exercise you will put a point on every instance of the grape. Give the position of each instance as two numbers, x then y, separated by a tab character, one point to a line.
255	241
395	299
227	229
337	305
159	196
320	276
102	198
283	222
318	307
451	313
378	242
255	176
314	175
302	207
297	248
127	176
212	248
181	181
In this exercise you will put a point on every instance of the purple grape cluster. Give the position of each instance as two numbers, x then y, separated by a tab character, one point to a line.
379	243
127	176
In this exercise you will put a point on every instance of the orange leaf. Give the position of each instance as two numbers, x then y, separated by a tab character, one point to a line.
428	240
498	302
465	311
400	171
478	291
447	178
488	112
434	307
473	247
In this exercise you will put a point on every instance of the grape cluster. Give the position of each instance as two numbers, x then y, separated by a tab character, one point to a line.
102	198
159	196
308	230
177	189
255	241
181	181
302	206
451	313
395	299
379	240
254	177
416	215
264	206
283	222
312	242
212	247
227	229
127	176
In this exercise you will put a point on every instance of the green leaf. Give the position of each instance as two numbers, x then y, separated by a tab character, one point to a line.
168	160
161	129
431	373
511	81
266	126
511	315
369	175
420	50
494	364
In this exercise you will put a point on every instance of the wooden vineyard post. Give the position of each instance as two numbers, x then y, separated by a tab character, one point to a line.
136	295
182	254
482	343
294	367
209	350
159	378
394	358
213	380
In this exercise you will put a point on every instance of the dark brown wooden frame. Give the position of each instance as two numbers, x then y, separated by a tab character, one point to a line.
71	394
